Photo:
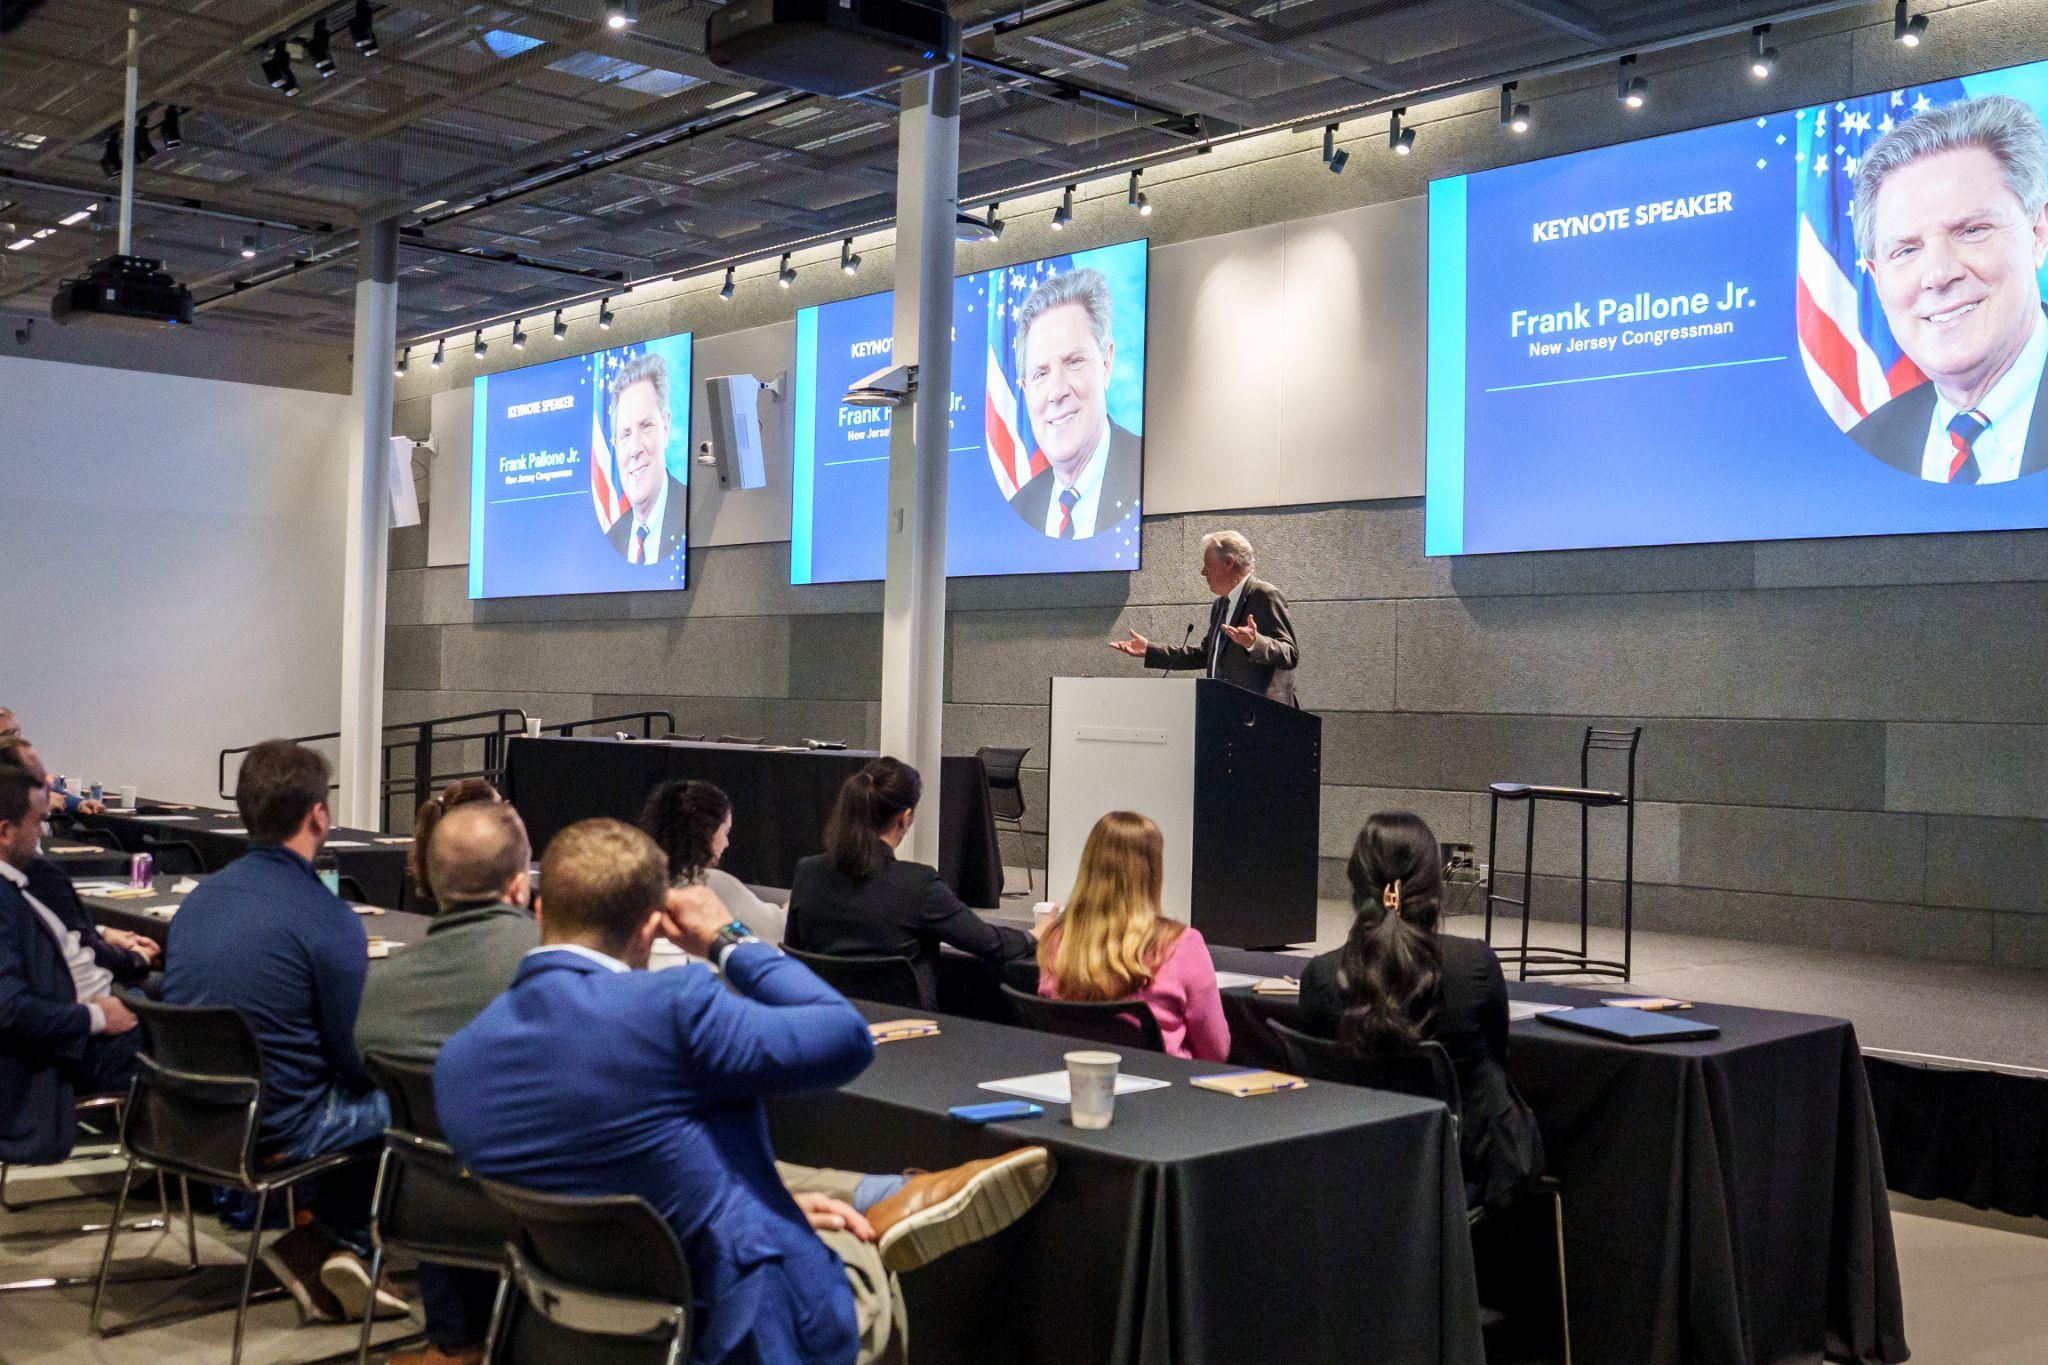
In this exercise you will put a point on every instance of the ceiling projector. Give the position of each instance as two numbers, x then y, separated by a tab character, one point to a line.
831	47
124	291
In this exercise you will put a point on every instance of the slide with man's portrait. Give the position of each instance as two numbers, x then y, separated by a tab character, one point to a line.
1825	322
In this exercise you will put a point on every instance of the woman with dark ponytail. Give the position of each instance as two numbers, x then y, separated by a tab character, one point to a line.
856	899
1397	981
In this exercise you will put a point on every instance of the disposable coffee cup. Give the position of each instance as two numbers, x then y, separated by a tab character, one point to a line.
1043	911
130	796
1091	1076
533	727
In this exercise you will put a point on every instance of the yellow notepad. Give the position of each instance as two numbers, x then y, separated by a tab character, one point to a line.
896	1030
1653	1003
394	838
1241	1084
1278	985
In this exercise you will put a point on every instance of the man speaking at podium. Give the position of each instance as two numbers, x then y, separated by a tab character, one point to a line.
1250	641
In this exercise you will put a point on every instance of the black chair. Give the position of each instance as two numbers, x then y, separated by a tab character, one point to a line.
175	857
426	1202
1000	774
1117	1023
600	1281
110	1106
1424	1071
1542	961
78	832
351	890
883	980
192	1113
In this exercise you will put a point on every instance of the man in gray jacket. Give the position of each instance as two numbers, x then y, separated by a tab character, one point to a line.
476	861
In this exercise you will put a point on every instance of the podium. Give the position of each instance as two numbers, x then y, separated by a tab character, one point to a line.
1232	779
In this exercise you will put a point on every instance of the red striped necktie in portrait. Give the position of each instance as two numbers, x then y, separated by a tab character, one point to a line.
1964	430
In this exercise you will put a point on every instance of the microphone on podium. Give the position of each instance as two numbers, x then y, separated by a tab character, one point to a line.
1167	671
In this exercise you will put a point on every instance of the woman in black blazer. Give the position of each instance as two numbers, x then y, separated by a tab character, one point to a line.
857	900
1396	981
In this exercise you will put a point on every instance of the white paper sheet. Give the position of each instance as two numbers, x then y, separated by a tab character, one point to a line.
167	819
337	843
1226	981
1051	1087
1529	1009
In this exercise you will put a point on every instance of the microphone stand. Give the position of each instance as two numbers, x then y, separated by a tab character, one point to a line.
1167	672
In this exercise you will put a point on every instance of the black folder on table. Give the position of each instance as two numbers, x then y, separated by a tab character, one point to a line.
1630	1026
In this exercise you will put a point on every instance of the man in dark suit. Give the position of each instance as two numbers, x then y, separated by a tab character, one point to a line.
1951	220
62	1032
1066	353
593	1075
1250	640
653	526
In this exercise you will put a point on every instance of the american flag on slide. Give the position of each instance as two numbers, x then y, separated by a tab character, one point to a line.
1011	455
1851	359
605	492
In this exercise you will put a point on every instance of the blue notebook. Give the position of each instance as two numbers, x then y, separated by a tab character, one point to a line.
1630	1026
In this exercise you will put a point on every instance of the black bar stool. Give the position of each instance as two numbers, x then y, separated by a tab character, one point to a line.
1541	961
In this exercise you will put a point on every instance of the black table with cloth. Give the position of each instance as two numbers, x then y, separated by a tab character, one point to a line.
150	915
1320	1225
1724	1199
780	800
375	862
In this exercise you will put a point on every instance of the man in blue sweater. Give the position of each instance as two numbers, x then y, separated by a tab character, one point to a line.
592	1075
266	937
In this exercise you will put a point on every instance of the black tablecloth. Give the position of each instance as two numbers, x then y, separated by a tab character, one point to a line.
1724	1199
84	860
1326	1224
378	868
780	799
150	915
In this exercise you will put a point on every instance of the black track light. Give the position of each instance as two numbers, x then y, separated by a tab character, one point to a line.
360	30
1632	90
561	327
848	261
251	244
1334	156
725	290
1763	60
604	314
320	49
404	363
110	155
479	345
1514	115
1064	214
995	224
144	148
620	14
1907	29
1135	197
1401	140
440	351
786	275
168	128
519	334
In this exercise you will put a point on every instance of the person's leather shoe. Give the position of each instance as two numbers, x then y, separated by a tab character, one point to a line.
296	1258
945	1210
434	1355
348	1279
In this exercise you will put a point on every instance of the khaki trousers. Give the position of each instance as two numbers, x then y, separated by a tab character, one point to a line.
877	1297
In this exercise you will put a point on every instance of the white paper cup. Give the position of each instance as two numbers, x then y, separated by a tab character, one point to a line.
1043	911
1092	1078
129	797
533	727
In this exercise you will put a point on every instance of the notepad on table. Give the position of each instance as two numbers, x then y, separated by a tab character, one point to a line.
896	1030
98	888
335	843
184	886
1646	1002
394	838
1051	1087
1242	1084
1529	1009
1277	985
170	819
127	893
1230	981
74	848
1631	1026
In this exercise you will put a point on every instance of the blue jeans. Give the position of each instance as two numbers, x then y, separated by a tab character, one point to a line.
339	1199
457	1305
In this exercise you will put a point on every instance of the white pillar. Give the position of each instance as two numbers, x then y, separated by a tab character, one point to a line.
366	549
914	593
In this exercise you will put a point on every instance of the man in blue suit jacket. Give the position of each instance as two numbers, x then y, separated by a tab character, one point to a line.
61	1031
593	1076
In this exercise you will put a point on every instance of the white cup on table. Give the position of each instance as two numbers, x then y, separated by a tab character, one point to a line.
1041	913
1091	1077
533	727
130	797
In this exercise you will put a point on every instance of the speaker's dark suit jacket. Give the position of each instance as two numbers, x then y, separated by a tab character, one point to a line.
43	1036
1897	431
675	519
1122	481
1266	668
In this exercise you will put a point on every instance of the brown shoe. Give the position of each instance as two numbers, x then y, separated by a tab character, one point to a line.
434	1355
945	1210
295	1258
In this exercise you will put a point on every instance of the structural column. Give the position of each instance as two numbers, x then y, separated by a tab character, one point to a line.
366	550
914	594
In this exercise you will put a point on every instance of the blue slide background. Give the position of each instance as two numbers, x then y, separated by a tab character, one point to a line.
541	537
1705	439
840	461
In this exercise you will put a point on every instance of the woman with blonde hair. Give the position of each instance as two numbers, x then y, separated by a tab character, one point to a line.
1111	942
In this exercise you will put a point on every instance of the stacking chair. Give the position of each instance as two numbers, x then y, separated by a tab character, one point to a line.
1424	1071
109	1105
883	980
1000	771
598	1281
1118	1023
1542	961
426	1202
175	857
192	1113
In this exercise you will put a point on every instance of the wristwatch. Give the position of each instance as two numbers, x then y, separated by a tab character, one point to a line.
731	936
